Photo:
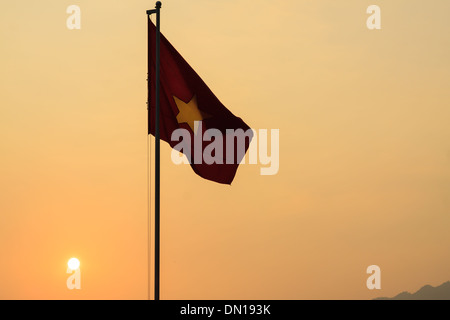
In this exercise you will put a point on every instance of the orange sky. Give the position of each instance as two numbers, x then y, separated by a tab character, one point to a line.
364	150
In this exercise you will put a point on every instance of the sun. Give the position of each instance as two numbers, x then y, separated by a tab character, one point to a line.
73	263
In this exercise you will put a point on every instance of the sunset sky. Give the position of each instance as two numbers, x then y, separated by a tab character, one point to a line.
364	174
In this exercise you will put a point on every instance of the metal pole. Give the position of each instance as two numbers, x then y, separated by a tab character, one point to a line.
157	151
157	159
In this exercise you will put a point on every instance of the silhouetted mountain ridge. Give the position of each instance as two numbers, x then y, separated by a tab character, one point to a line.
427	292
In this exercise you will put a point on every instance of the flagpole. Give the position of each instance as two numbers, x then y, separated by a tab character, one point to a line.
157	153
157	159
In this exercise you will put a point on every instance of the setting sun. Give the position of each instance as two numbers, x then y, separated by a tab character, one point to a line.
73	263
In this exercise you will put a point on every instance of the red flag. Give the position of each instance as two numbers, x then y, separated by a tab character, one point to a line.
185	99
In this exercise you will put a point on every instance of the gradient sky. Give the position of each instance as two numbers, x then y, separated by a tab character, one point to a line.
364	150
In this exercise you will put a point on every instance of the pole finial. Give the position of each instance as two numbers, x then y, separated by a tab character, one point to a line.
158	5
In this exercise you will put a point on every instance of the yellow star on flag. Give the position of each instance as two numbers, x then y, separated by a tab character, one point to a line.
189	112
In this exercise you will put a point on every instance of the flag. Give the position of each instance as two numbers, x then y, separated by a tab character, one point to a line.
213	139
